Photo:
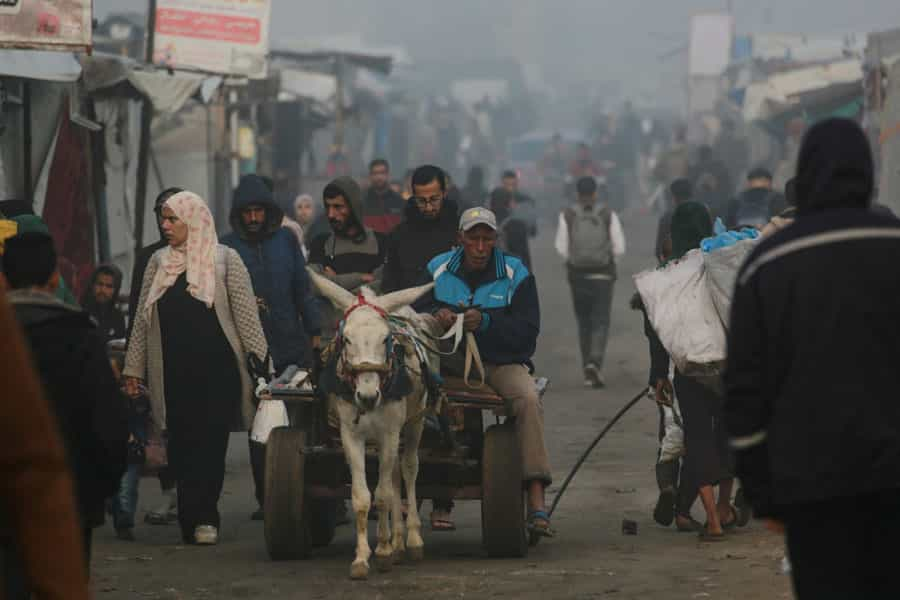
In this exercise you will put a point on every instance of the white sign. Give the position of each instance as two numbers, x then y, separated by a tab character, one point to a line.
218	36
712	36
46	24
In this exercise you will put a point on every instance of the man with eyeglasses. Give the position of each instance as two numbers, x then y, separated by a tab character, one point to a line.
428	229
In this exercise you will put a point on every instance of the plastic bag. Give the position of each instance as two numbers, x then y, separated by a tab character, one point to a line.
156	453
722	266
269	415
681	310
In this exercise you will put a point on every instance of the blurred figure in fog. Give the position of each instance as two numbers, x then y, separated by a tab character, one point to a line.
757	204
510	182
382	206
99	300
474	192
681	191
583	165
589	237
709	163
732	150
312	221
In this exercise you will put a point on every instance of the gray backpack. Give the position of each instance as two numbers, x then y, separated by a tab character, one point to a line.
590	246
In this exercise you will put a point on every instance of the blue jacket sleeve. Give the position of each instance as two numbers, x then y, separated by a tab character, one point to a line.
304	297
514	329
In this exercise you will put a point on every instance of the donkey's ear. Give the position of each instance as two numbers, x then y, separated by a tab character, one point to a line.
394	300
339	297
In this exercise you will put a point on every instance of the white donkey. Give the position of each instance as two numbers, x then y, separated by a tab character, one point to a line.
364	366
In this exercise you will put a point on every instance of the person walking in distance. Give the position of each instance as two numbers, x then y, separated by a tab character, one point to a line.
811	382
590	238
287	307
196	324
382	206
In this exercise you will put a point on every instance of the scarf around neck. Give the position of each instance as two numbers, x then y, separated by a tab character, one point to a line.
196	257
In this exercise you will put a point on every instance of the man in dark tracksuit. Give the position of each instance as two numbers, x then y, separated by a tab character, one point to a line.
288	309
812	405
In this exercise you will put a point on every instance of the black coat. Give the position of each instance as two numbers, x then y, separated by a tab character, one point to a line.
415	242
812	361
70	357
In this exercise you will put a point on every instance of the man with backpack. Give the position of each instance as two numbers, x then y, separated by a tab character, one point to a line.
590	239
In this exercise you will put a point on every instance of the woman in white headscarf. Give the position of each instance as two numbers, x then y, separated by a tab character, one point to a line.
195	325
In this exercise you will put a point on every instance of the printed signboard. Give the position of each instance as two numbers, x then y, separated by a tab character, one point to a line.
218	36
45	24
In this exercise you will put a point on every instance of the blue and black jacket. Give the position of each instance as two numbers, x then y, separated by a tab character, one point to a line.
506	295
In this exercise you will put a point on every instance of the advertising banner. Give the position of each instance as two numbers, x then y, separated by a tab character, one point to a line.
230	37
46	24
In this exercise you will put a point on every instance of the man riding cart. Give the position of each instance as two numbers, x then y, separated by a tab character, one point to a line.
498	298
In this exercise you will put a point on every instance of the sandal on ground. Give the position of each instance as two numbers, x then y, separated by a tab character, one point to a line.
733	521
441	521
706	536
693	526
539	524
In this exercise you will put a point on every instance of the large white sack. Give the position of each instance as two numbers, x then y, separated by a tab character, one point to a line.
682	312
722	266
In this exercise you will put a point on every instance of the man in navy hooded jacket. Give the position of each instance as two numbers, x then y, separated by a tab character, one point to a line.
287	308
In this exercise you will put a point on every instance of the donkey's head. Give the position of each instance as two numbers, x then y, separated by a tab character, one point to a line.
366	340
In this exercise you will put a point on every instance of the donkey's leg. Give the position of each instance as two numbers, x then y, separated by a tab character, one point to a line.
397	541
384	496
412	434
355	452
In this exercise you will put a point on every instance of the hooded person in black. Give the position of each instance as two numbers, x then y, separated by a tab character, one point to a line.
288	310
812	375
429	228
99	300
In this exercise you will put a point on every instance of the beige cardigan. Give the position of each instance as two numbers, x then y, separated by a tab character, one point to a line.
236	309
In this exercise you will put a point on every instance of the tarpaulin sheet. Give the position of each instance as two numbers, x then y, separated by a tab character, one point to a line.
45	65
167	91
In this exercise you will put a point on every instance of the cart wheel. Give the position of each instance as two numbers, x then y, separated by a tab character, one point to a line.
503	500
287	528
322	514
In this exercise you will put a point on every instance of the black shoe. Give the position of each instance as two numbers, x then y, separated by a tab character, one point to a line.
664	513
258	515
126	534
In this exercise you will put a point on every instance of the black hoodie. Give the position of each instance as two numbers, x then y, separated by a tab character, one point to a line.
416	241
814	338
110	321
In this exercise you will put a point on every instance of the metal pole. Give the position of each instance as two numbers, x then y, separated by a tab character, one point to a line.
233	125
26	142
339	103
140	196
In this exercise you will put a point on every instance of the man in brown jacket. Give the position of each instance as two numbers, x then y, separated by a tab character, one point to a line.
35	486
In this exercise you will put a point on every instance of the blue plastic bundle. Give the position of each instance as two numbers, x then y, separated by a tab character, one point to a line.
725	238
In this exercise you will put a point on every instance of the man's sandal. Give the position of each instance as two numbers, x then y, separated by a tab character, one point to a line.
441	523
538	524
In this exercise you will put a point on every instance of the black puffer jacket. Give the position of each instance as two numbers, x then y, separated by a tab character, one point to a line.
814	339
415	242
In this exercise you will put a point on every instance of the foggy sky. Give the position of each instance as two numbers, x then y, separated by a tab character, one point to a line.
570	40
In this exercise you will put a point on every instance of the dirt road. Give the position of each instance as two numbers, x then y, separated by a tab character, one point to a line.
590	558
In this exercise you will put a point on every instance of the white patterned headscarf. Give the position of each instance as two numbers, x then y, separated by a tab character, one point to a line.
197	256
